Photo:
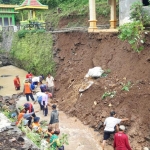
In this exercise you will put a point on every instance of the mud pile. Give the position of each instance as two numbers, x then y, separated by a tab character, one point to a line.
77	52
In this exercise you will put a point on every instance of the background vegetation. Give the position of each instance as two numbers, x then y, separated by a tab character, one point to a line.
33	52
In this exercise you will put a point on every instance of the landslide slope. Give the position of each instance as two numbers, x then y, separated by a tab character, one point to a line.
77	52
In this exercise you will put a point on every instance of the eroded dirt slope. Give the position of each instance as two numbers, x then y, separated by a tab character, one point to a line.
76	52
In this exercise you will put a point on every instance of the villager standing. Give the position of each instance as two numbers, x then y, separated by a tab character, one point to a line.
50	84
43	87
17	82
121	141
54	119
29	75
110	126
27	90
44	102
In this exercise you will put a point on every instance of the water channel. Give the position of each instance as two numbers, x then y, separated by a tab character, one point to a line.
81	137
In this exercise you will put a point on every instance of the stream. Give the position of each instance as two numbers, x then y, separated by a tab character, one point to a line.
81	137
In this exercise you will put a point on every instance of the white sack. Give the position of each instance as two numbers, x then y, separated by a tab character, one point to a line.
94	72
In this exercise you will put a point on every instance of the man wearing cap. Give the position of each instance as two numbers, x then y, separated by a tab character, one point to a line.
54	119
27	90
17	83
110	125
29	107
121	141
23	115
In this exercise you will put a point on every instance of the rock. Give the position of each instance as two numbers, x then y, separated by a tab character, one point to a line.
145	148
147	138
21	139
11	102
14	96
1	64
12	140
6	98
9	127
13	124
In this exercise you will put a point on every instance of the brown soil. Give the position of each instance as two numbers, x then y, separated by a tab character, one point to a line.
76	53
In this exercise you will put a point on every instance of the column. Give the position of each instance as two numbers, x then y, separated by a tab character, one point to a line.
33	13
13	19
113	19
92	15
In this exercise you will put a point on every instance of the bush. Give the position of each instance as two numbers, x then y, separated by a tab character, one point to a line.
34	53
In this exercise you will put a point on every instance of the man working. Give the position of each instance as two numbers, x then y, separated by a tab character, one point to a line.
50	84
27	90
110	125
121	140
29	107
17	83
54	120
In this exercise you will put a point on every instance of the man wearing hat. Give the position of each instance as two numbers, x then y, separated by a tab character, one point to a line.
54	119
110	125
121	140
17	83
29	107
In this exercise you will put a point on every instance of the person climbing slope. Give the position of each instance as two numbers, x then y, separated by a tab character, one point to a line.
110	126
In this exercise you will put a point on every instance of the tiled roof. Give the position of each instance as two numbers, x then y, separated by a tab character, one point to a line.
31	3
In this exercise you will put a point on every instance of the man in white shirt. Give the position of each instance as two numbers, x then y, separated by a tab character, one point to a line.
110	126
50	84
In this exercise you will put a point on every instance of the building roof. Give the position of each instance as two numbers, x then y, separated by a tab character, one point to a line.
31	4
8	6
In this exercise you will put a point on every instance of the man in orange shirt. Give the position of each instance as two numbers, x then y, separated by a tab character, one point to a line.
27	90
23	115
17	83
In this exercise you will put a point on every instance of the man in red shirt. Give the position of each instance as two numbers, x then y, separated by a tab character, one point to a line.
29	75
17	83
121	140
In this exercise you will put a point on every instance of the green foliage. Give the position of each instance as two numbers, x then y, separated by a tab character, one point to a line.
105	73
34	137
8	115
62	140
22	33
133	33
126	87
110	94
138	13
34	53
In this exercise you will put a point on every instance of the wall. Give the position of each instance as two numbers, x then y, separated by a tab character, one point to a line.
124	10
7	37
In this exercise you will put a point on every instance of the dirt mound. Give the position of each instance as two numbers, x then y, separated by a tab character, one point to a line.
76	52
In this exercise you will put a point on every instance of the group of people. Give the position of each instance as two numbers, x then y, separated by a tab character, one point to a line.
27	117
47	91
26	113
112	127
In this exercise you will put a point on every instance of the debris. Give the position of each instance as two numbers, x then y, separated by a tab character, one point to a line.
95	103
110	105
12	140
85	86
95	72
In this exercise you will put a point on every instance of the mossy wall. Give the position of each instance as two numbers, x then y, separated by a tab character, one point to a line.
33	53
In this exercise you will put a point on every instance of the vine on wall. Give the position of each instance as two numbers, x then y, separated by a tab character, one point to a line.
34	53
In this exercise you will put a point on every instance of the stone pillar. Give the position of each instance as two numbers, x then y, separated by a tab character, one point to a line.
113	19
92	20
33	13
